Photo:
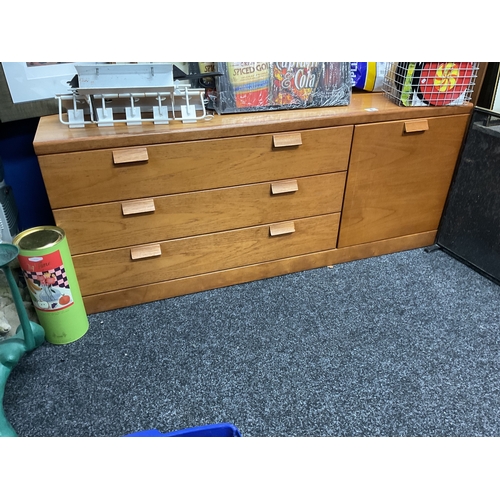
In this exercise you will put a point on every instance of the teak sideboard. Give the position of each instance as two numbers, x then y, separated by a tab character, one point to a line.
156	211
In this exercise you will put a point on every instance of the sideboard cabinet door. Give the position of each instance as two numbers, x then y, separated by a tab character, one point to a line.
398	178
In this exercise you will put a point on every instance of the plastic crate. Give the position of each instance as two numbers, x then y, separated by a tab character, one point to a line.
213	430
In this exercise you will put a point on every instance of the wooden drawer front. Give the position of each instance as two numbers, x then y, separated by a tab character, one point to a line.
399	176
115	269
73	179
104	226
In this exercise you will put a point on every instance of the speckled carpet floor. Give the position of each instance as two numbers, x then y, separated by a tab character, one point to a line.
401	345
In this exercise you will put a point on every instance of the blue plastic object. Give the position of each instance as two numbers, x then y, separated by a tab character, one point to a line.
213	430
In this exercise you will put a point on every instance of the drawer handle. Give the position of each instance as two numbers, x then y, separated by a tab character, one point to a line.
138	206
416	126
282	228
280	187
287	140
145	251
121	156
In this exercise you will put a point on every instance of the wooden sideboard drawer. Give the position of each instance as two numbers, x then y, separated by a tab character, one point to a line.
116	269
113	225
88	177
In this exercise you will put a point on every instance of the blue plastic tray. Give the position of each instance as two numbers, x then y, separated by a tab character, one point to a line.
213	430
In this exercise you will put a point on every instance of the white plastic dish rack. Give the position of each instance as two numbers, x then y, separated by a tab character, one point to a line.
105	94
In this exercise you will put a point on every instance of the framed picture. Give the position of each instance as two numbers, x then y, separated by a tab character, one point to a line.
33	81
28	89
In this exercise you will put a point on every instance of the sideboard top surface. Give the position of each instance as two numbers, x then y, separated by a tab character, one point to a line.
53	137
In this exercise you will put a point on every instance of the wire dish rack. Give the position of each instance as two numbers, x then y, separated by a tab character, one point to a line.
105	94
430	83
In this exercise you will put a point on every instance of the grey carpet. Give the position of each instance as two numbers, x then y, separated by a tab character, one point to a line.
400	345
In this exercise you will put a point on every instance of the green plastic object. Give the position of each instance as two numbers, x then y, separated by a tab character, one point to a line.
28	336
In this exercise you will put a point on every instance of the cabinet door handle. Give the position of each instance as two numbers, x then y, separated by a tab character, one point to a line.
416	126
138	206
288	186
287	140
282	228
121	156
145	251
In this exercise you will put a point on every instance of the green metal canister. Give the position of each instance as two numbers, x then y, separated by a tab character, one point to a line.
47	266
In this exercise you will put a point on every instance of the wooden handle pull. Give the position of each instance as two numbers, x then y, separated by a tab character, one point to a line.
145	251
138	206
287	140
121	156
288	186
416	126
282	228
